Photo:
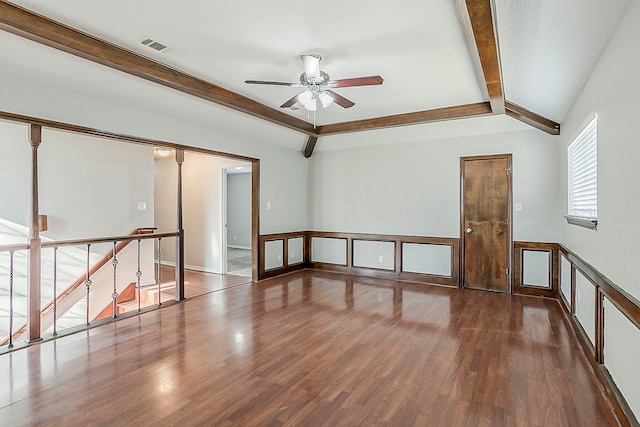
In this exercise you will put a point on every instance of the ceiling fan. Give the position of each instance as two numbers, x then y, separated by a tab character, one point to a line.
318	86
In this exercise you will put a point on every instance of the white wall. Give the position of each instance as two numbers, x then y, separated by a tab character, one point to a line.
414	188
283	171
15	173
621	355
202	208
239	210
613	91
88	187
94	188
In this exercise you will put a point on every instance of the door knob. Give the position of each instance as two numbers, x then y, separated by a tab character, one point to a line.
468	231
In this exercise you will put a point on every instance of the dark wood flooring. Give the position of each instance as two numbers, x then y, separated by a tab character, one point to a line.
314	349
197	283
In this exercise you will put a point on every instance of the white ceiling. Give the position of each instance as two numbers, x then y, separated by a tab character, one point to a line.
547	47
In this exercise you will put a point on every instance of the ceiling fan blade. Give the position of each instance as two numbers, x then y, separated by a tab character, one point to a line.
290	102
262	82
311	64
340	100
356	81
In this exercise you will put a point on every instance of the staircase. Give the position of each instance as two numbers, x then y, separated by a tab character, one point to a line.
72	263
127	300
71	269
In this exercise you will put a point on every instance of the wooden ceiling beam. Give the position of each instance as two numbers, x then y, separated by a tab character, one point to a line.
418	117
24	23
308	148
532	119
83	130
482	21
29	25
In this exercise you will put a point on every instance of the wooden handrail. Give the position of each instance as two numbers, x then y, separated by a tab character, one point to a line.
11	248
133	236
137	234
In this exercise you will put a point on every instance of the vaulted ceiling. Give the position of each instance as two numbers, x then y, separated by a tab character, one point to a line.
518	61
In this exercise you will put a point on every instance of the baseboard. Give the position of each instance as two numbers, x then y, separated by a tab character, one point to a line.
248	248
190	267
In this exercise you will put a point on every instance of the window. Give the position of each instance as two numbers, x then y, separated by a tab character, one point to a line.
583	177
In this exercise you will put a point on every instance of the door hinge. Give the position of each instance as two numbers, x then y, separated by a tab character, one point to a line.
508	170
507	271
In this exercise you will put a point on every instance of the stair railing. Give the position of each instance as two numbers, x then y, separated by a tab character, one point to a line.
11	251
119	243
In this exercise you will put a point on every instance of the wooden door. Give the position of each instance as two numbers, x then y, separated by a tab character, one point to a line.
486	222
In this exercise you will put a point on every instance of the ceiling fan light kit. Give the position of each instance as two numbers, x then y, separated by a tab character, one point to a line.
325	99
317	84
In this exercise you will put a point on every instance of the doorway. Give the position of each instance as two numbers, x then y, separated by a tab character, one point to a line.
237	218
204	211
486	222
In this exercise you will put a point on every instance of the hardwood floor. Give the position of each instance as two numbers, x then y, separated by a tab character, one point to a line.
197	283
311	349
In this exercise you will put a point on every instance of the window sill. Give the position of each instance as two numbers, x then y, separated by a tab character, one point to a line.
590	223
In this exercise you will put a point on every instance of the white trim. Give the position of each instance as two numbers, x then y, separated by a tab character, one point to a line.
580	129
582	166
223	221
147	283
239	247
190	267
202	269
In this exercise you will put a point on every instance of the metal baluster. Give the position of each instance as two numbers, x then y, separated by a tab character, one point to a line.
138	275
87	282
55	290
10	299
159	270
114	295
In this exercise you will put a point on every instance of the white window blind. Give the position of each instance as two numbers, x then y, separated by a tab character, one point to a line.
583	173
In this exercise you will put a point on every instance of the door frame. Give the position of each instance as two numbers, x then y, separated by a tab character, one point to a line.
509	263
255	214
223	220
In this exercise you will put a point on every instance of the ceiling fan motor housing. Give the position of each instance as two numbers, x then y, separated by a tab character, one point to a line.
324	79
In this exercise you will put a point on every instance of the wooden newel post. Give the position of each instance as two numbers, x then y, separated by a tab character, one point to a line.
180	240
35	245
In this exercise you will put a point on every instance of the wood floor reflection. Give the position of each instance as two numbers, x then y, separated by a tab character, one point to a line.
197	283
311	349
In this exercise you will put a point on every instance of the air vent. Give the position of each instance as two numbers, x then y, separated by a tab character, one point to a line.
154	45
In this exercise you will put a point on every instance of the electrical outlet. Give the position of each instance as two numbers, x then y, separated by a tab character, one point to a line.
268	205
293	254
235	237
380	258
142	206
279	257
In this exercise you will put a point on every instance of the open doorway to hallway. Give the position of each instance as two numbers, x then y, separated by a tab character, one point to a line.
238	219
204	212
